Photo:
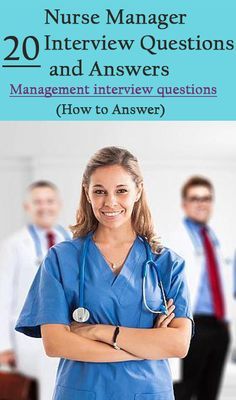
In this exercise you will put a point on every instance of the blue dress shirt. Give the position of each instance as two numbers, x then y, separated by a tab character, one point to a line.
204	304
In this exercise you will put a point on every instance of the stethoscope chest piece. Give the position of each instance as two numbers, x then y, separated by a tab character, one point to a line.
81	314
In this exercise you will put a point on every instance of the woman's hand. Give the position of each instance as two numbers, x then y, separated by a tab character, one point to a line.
164	320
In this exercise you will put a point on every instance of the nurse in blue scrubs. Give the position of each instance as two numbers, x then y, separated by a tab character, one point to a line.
121	352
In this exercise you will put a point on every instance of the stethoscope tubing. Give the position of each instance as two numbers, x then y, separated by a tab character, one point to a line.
82	270
150	262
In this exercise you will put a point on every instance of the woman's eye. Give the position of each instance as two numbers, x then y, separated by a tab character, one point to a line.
99	191
122	191
102	192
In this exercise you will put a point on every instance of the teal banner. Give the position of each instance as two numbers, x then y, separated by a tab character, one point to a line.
152	60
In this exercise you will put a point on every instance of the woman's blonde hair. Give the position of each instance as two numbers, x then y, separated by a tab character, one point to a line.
141	218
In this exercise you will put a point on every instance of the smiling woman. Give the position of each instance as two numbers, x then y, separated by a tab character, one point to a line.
112	194
117	279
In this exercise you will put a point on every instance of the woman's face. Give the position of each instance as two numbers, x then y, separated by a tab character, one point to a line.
112	194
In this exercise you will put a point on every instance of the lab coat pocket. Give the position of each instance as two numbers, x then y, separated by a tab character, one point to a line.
167	395
66	393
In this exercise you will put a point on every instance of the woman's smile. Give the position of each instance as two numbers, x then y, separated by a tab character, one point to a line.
112	214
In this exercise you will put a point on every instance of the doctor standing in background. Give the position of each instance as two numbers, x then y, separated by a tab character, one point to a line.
210	279
20	257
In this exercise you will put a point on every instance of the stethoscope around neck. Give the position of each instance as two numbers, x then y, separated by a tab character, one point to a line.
37	243
82	314
148	264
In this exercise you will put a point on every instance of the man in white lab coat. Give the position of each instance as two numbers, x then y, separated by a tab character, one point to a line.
20	257
210	279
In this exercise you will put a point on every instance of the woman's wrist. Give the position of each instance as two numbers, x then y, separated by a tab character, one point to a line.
104	333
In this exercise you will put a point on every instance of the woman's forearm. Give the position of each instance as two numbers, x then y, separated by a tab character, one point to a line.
170	337
152	344
65	344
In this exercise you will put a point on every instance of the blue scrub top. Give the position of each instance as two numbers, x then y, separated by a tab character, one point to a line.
111	299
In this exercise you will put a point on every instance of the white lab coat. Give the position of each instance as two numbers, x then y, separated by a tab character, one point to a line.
181	242
18	265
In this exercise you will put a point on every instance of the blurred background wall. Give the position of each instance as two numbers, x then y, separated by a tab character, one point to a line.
169	152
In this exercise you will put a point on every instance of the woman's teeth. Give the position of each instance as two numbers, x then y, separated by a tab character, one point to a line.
111	214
